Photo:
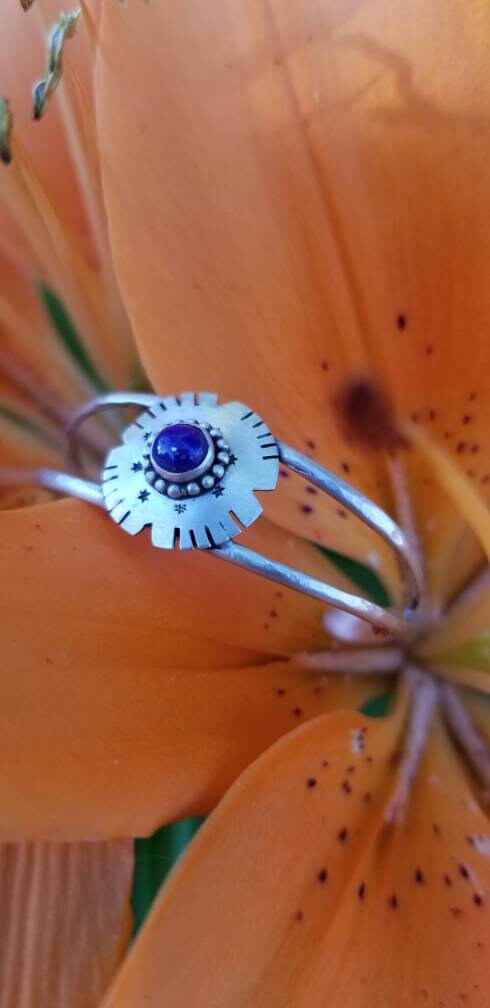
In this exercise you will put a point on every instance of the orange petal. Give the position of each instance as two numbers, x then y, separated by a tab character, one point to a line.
53	219
30	341
313	898
315	183
78	591
66	921
23	52
106	750
23	445
458	487
109	649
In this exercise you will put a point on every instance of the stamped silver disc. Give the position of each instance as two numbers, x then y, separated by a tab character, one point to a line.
188	468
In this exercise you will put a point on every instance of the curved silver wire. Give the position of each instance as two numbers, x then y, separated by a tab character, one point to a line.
98	405
289	577
352	499
69	486
370	513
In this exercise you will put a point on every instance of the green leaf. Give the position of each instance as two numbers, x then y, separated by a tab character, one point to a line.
364	577
69	337
377	706
154	857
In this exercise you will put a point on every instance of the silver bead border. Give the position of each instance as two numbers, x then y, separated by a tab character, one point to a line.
204	481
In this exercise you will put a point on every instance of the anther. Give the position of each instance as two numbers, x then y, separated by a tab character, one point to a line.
5	131
42	90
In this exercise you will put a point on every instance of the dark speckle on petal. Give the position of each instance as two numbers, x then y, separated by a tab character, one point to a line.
311	782
322	875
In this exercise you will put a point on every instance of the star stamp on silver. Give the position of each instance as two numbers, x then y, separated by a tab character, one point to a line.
188	468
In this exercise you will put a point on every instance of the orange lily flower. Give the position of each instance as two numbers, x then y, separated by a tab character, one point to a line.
298	215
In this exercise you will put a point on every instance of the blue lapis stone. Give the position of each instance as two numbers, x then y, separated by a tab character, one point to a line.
179	448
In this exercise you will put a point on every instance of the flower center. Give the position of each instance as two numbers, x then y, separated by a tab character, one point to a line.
423	691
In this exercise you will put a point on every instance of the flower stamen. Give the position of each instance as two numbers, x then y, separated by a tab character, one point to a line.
471	592
42	91
358	661
81	147
404	509
423	696
466	733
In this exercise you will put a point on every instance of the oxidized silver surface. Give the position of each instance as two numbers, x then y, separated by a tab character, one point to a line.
209	519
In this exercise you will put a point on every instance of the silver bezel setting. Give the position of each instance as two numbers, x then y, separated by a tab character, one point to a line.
195	481
201	515
191	474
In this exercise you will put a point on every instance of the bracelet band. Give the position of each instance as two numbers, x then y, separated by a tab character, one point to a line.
189	468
